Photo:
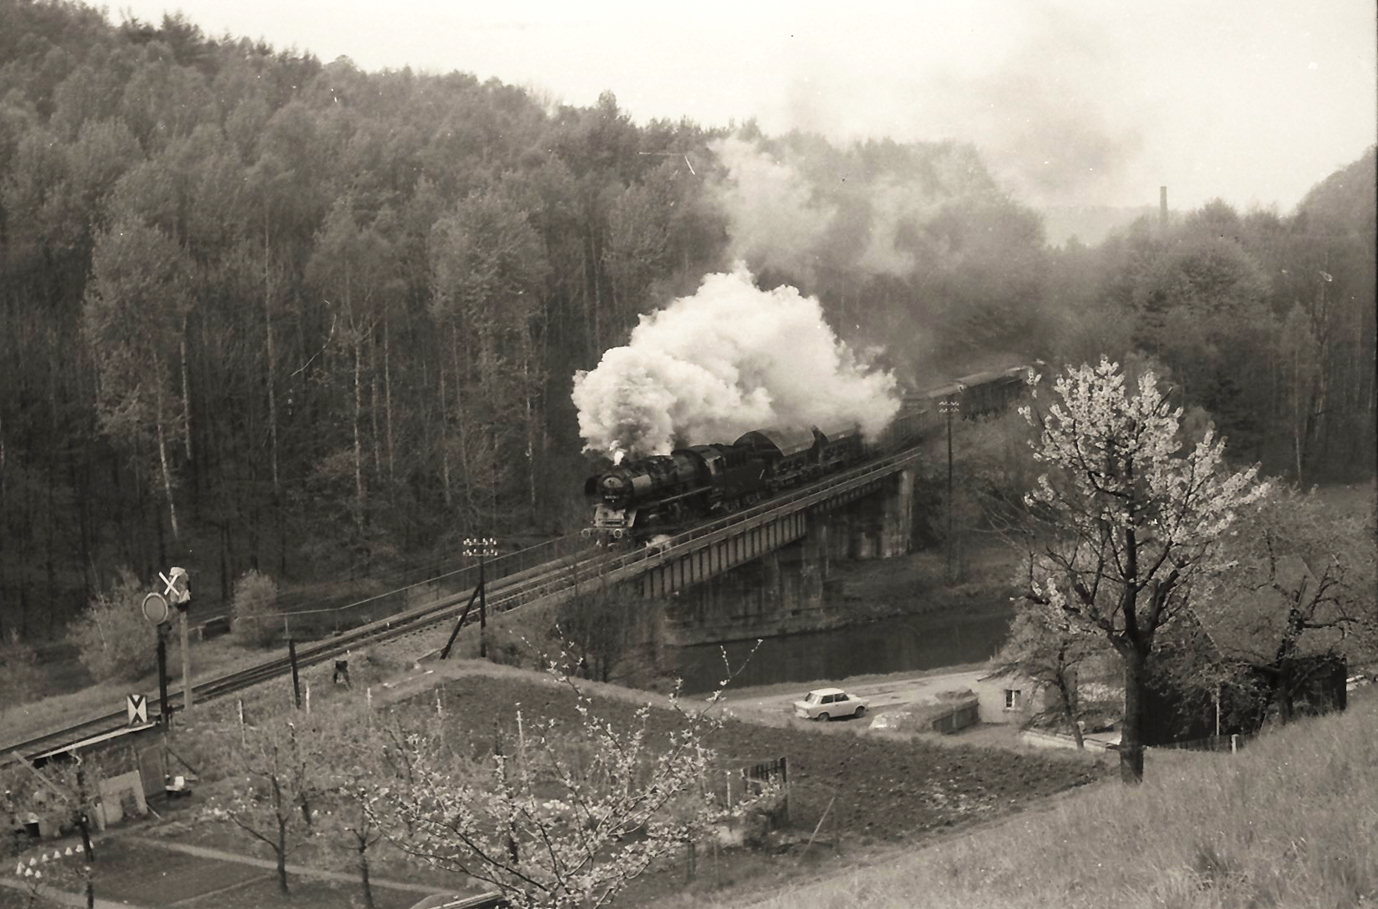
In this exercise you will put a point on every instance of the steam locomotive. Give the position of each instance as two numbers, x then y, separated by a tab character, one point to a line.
663	493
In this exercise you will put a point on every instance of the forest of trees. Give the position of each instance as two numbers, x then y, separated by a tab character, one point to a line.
261	312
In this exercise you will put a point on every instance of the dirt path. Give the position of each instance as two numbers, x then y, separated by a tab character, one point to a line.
883	695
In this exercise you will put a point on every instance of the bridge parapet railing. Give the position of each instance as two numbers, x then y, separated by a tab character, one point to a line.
627	563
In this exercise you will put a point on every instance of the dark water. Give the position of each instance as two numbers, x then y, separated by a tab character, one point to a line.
900	644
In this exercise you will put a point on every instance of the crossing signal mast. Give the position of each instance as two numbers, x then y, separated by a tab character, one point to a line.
178	594
156	611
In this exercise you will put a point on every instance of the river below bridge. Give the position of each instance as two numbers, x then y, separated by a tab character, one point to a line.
899	643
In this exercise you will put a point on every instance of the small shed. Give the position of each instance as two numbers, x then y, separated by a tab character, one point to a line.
1011	697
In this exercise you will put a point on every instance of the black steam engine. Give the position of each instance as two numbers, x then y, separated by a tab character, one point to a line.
663	493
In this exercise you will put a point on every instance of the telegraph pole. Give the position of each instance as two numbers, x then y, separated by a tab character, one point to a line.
484	548
947	407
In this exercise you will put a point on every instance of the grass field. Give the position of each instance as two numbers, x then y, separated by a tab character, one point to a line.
50	712
1292	821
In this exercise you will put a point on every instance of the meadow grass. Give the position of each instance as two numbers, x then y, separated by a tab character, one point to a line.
1291	821
53	712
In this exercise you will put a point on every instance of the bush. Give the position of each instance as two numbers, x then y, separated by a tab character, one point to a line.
18	670
115	640
254	619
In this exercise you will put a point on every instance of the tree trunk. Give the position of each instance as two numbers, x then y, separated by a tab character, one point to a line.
358	438
466	471
270	369
1132	729
282	852
1299	419
374	406
1068	710
528	392
166	470
445	481
363	873
186	395
387	401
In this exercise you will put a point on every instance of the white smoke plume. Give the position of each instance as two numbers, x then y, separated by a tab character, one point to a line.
727	360
790	214
776	220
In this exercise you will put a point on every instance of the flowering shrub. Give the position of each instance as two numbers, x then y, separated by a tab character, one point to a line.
565	817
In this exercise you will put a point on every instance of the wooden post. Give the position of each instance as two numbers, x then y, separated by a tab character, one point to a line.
445	653
165	712
482	608
950	406
186	661
296	679
784	784
817	827
483	548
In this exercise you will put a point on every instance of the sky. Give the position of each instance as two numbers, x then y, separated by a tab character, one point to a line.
1071	102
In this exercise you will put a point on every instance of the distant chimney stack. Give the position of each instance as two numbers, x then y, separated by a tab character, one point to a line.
1162	208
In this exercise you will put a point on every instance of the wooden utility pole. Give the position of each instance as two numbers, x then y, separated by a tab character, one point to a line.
186	663
947	407
296	677
484	548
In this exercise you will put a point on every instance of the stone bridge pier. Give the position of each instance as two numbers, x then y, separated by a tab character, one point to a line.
787	589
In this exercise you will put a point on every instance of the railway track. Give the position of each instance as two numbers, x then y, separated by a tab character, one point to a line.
551	581
507	593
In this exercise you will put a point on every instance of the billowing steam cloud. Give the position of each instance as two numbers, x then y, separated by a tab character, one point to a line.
792	214
1049	106
729	359
776	220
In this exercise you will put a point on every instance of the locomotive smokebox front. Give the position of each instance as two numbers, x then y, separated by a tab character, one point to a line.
614	490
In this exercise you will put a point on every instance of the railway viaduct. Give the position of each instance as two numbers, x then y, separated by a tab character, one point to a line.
764	571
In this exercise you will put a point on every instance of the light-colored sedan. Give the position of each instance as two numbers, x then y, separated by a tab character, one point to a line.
826	703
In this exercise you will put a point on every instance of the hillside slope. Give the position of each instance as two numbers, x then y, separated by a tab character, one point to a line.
1291	821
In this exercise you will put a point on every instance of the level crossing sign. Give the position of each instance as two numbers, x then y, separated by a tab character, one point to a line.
178	590
137	706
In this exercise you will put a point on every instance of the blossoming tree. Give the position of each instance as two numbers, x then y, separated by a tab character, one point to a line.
560	816
1128	516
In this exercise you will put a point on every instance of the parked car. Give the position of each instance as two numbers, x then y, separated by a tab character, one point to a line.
826	703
